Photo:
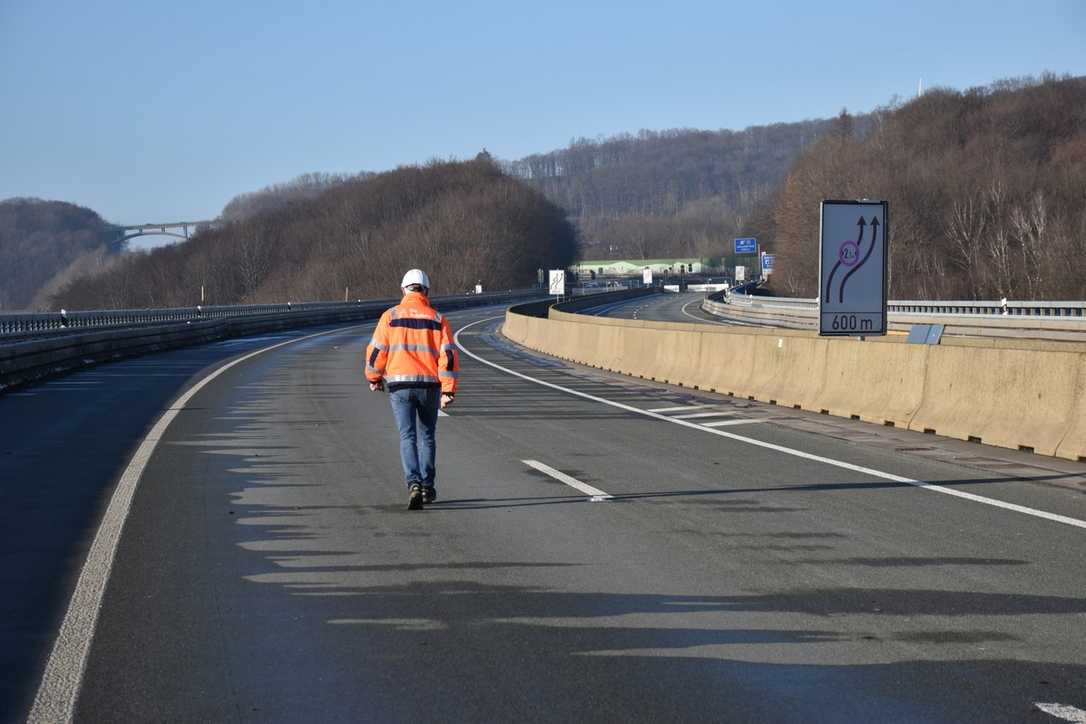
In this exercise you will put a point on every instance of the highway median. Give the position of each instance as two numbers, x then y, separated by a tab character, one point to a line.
1026	395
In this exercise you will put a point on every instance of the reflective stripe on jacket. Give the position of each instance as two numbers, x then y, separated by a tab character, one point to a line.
413	347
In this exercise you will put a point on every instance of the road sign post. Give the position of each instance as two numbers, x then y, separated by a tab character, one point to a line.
852	268
748	246
558	282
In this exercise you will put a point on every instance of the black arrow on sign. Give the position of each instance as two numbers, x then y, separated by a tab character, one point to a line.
853	270
859	240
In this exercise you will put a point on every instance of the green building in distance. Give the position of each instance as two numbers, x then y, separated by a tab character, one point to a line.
628	267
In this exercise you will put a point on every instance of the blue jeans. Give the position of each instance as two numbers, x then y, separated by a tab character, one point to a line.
407	406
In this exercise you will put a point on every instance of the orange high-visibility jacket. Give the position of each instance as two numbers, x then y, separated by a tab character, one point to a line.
413	347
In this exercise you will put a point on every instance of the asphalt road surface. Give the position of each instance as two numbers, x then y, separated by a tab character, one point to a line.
603	550
667	307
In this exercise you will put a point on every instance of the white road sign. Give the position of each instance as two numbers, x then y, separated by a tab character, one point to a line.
852	268
558	282
740	273
646	277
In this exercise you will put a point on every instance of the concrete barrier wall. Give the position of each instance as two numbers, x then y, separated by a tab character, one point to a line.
1073	443
1006	397
33	359
1029	394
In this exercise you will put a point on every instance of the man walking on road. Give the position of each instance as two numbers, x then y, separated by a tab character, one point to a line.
412	354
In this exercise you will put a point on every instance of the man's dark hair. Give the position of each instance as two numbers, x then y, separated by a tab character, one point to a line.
417	288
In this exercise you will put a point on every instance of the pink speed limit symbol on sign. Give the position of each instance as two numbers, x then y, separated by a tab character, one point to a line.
849	253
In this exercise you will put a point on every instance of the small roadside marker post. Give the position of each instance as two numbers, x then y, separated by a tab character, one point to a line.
558	283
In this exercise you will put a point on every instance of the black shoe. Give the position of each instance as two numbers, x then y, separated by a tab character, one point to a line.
429	494
415	501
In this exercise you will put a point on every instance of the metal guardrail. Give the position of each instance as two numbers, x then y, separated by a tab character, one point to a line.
1052	321
581	290
999	307
22	325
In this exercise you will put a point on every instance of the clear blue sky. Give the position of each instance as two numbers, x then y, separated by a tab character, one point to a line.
155	111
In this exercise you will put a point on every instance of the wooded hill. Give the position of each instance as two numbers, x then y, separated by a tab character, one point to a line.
462	222
986	193
44	244
680	192
985	189
270	198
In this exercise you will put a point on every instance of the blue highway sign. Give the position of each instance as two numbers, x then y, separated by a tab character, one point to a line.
748	245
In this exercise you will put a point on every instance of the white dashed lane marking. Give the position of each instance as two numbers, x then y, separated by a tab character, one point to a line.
698	415
1063	711
932	487
595	494
728	423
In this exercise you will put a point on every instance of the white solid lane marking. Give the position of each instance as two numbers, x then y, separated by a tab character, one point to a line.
778	448
735	323
59	688
700	319
697	415
681	408
246	340
729	423
596	495
1063	711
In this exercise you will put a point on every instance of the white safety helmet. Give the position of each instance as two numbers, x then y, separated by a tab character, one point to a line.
415	276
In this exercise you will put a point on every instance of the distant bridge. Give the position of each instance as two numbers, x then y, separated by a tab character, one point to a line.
180	229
